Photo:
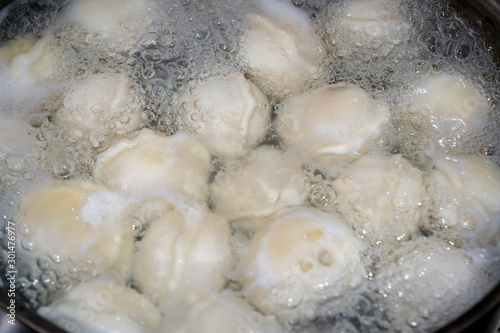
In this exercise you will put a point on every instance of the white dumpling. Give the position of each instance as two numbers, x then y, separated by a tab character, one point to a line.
230	115
101	103
184	247
77	221
451	98
298	260
101	306
213	313
423	280
266	183
465	194
280	48
151	163
28	59
375	25
449	106
338	120
106	16
381	197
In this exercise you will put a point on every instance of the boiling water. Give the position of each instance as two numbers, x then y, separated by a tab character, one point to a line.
170	45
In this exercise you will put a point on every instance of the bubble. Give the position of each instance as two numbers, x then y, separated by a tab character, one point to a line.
468	222
413	320
38	121
48	279
487	151
56	257
98	141
25	228
289	298
358	205
325	258
9	179
134	224
63	284
322	195
64	168
27	244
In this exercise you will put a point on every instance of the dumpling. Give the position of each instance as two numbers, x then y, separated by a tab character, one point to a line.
281	49
230	115
422	281
367	26
106	16
207	313
381	197
266	183
338	120
451	101
28	59
102	103
151	163
184	247
465	200
301	258
101	306
448	107
78	221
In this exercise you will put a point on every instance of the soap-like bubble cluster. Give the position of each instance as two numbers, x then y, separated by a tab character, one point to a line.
24	18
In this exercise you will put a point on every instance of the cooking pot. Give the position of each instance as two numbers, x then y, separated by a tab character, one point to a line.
484	16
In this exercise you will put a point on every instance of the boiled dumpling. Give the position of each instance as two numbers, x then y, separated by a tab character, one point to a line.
301	258
230	115
447	108
74	220
106	16
451	101
281	49
264	184
381	197
338	120
28	59
150	163
207	313
465	194
184	247
101	306
102	103
374	25
425	278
